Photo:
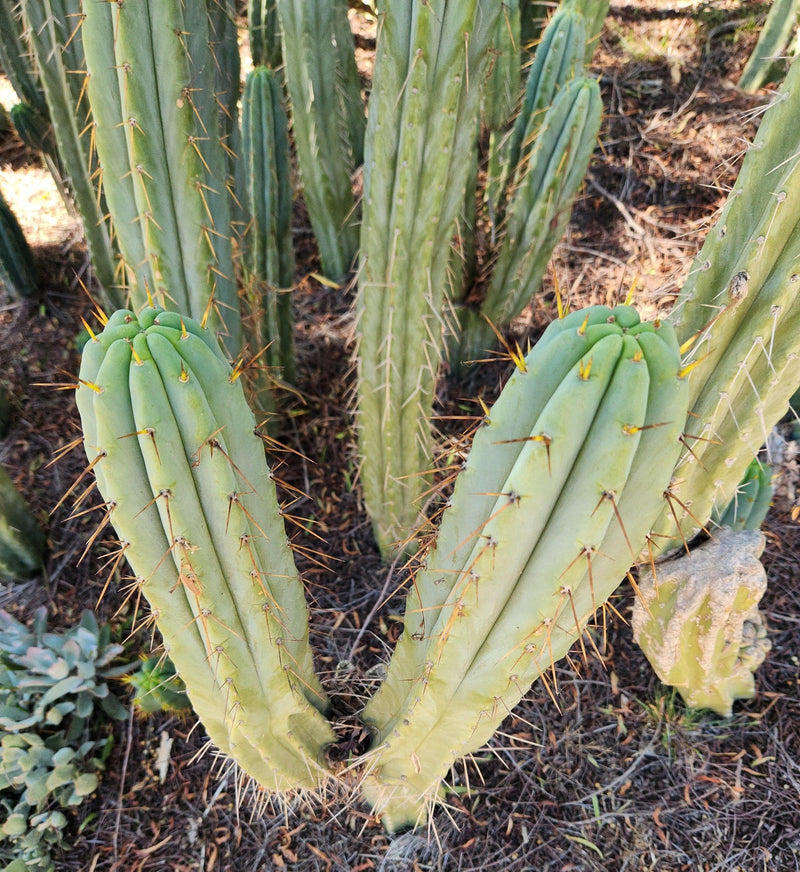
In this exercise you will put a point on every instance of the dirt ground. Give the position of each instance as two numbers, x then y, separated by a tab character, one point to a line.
615	775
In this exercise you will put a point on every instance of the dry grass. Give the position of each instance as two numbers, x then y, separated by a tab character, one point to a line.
618	777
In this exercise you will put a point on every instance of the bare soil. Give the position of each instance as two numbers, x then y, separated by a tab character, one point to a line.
614	774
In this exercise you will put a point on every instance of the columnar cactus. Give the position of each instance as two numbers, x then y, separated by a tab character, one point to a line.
17	268
268	253
751	502
53	31
539	209
327	121
738	318
164	170
15	58
771	46
171	441
22	539
556	498
423	115
697	620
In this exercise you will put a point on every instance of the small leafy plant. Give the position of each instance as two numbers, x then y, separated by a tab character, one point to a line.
53	687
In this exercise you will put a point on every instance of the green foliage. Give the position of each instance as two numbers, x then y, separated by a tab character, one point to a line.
53	693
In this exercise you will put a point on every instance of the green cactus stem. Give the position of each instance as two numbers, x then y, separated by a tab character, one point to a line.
738	319
17	268
53	31
164	166
22	540
698	623
15	58
546	517
268	253
423	114
751	502
327	121
539	210
768	56
171	441
594	13
264	31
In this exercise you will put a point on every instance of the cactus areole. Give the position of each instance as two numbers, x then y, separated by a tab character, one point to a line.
556	499
185	482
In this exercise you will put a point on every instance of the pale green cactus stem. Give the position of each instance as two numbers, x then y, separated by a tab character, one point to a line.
53	31
504	83
738	317
17	267
423	114
771	47
594	13
152	90
268	253
698	623
751	502
327	121
172	444
558	493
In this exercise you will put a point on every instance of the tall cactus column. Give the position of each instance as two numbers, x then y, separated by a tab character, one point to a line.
164	170
171	441
738	316
420	135
557	497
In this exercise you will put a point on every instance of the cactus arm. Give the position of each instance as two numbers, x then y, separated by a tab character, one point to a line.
205	538
17	267
264	31
268	254
22	539
738	317
539	209
489	614
48	35
176	167
420	139
15	59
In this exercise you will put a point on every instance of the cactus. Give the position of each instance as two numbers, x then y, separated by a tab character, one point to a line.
423	114
268	254
164	168
504	83
738	318
264	31
172	443
593	13
17	269
22	539
53	31
15	59
517	569
539	210
773	41
327	121
157	687
751	502
697	620
558	60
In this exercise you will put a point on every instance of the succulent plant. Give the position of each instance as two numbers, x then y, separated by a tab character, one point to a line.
158	687
750	504
546	517
17	268
171	441
769	55
53	691
697	620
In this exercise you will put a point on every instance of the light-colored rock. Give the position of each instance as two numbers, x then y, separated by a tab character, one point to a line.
698	621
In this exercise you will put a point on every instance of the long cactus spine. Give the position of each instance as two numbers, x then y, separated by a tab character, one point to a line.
185	484
546	517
